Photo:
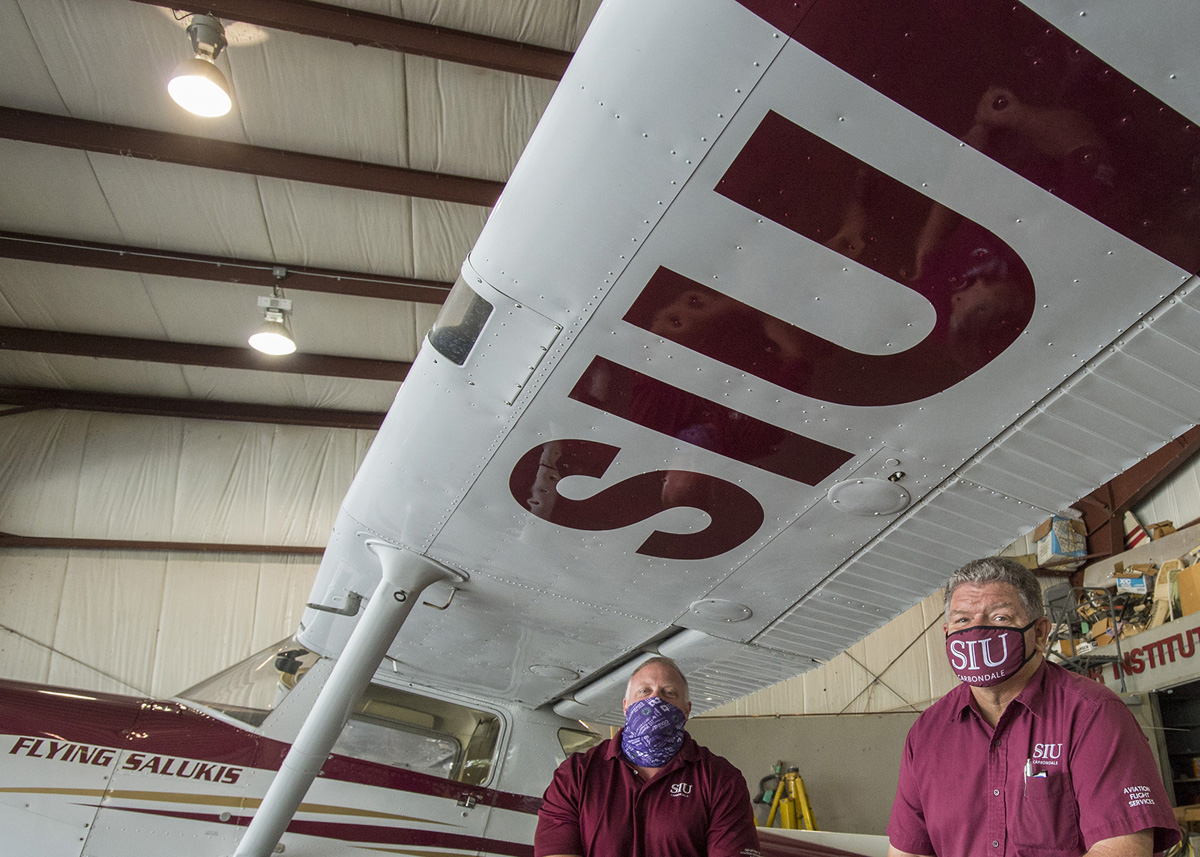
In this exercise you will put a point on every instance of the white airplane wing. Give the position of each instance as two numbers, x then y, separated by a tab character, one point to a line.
788	310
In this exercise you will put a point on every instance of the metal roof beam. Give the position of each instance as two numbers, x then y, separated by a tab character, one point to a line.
127	141
37	398
171	263
190	354
12	540
382	31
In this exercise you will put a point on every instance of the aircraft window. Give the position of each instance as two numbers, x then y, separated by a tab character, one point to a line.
400	747
405	730
575	741
390	726
248	691
459	323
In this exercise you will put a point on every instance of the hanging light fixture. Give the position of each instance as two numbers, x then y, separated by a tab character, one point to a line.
274	335
197	84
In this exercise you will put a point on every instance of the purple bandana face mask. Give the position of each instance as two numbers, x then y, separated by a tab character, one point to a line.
653	732
987	655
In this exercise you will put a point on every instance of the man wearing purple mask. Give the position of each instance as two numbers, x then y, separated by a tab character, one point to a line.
1023	757
651	791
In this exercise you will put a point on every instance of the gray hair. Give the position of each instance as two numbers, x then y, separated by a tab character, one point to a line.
1002	569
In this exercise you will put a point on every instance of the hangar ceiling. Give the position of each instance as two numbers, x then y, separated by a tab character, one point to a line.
366	144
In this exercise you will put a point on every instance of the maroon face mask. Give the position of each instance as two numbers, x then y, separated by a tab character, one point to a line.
987	654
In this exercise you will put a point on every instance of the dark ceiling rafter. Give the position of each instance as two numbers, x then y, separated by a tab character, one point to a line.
382	31
12	540
24	399
190	354
170	263
126	141
1104	509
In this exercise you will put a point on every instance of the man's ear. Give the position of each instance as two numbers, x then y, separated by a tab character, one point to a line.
1041	633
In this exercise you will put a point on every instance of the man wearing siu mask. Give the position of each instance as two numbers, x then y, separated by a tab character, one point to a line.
1023	757
651	791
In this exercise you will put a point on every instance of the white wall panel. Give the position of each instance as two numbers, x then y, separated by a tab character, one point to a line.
31	586
207	618
128	485
41	462
154	622
108	620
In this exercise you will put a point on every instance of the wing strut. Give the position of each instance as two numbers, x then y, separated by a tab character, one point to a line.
405	576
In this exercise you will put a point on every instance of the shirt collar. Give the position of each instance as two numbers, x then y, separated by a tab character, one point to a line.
1029	698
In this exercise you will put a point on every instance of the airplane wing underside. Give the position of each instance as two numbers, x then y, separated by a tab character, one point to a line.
794	309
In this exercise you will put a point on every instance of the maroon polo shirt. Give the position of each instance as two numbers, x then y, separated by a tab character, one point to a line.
1065	767
597	806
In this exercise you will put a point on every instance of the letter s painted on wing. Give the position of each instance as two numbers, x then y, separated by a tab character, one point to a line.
734	512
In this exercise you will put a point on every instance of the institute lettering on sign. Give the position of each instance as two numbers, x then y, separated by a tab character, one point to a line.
1172	652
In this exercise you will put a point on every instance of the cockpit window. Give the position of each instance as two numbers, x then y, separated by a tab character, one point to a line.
432	736
459	323
390	726
250	690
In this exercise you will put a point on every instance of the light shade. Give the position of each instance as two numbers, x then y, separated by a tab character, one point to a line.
199	87
274	336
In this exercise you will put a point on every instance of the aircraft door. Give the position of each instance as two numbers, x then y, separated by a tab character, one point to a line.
409	771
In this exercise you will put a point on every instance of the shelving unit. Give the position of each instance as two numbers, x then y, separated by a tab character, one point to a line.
1179	708
1065	605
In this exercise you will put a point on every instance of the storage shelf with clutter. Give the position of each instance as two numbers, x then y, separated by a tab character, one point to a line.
1166	568
1120	596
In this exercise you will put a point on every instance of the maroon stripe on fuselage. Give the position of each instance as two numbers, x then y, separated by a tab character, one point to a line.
172	729
1005	81
363	834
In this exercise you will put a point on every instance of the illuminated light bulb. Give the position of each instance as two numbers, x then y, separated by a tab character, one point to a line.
199	87
273	335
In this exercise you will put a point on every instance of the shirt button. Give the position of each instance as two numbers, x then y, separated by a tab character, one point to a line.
996	792
995	844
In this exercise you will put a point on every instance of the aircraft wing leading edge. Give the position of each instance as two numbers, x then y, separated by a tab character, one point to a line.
792	311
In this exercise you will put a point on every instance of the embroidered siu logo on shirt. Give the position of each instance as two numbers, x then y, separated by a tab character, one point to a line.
1047	754
681	790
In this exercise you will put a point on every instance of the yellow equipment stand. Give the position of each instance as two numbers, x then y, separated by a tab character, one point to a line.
794	806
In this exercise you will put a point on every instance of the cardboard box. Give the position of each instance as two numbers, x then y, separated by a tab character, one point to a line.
1068	647
1160	529
1101	634
1060	539
1188	584
1139	585
1139	569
